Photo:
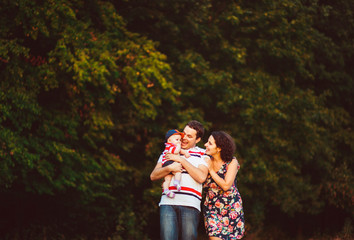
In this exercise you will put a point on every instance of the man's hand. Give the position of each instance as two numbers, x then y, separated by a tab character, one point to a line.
174	157
175	167
160	172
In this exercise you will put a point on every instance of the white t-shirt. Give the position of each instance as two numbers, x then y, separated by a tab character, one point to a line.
191	191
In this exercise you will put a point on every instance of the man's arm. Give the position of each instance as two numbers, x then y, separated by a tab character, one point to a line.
199	173
160	172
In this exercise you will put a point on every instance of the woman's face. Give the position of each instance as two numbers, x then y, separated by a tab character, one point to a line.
211	148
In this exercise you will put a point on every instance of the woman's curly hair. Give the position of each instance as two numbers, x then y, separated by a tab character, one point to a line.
226	143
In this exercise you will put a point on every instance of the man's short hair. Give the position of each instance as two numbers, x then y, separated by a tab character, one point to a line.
194	124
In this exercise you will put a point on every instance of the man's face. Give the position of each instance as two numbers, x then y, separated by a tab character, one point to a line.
190	138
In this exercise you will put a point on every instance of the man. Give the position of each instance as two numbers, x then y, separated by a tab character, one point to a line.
179	216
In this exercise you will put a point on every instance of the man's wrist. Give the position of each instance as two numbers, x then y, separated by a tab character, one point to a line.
181	160
169	168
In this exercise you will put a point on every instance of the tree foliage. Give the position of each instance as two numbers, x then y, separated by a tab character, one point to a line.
73	78
88	89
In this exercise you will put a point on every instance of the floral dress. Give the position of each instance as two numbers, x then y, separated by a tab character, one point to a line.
223	212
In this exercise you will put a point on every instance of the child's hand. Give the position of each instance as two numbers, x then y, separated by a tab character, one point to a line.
185	153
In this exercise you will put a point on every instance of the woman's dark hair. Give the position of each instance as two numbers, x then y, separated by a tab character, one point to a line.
226	143
194	124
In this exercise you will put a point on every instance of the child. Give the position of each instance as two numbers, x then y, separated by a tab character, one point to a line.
172	145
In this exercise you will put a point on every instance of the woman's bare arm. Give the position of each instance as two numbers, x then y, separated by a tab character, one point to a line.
231	173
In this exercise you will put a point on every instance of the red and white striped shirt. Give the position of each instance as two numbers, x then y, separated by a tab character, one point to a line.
170	148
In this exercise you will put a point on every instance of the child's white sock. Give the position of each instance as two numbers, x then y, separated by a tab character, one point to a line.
176	183
169	193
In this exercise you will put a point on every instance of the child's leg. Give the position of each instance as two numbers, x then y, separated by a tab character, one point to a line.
165	186
178	176
167	182
177	181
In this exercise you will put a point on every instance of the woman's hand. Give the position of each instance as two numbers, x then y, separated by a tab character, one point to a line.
208	161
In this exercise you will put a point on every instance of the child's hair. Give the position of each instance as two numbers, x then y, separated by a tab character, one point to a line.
226	143
198	127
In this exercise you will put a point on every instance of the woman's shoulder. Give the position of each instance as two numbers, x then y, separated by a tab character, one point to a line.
233	162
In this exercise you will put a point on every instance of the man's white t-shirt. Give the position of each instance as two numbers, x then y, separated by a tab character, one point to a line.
191	191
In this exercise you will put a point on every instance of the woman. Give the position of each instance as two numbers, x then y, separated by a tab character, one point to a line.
223	213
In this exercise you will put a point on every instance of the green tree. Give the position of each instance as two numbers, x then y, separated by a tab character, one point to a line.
256	69
88	89
76	87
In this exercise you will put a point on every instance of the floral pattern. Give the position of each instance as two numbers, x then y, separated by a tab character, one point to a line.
223	212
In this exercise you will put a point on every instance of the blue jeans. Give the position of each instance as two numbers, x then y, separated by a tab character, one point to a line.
178	222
